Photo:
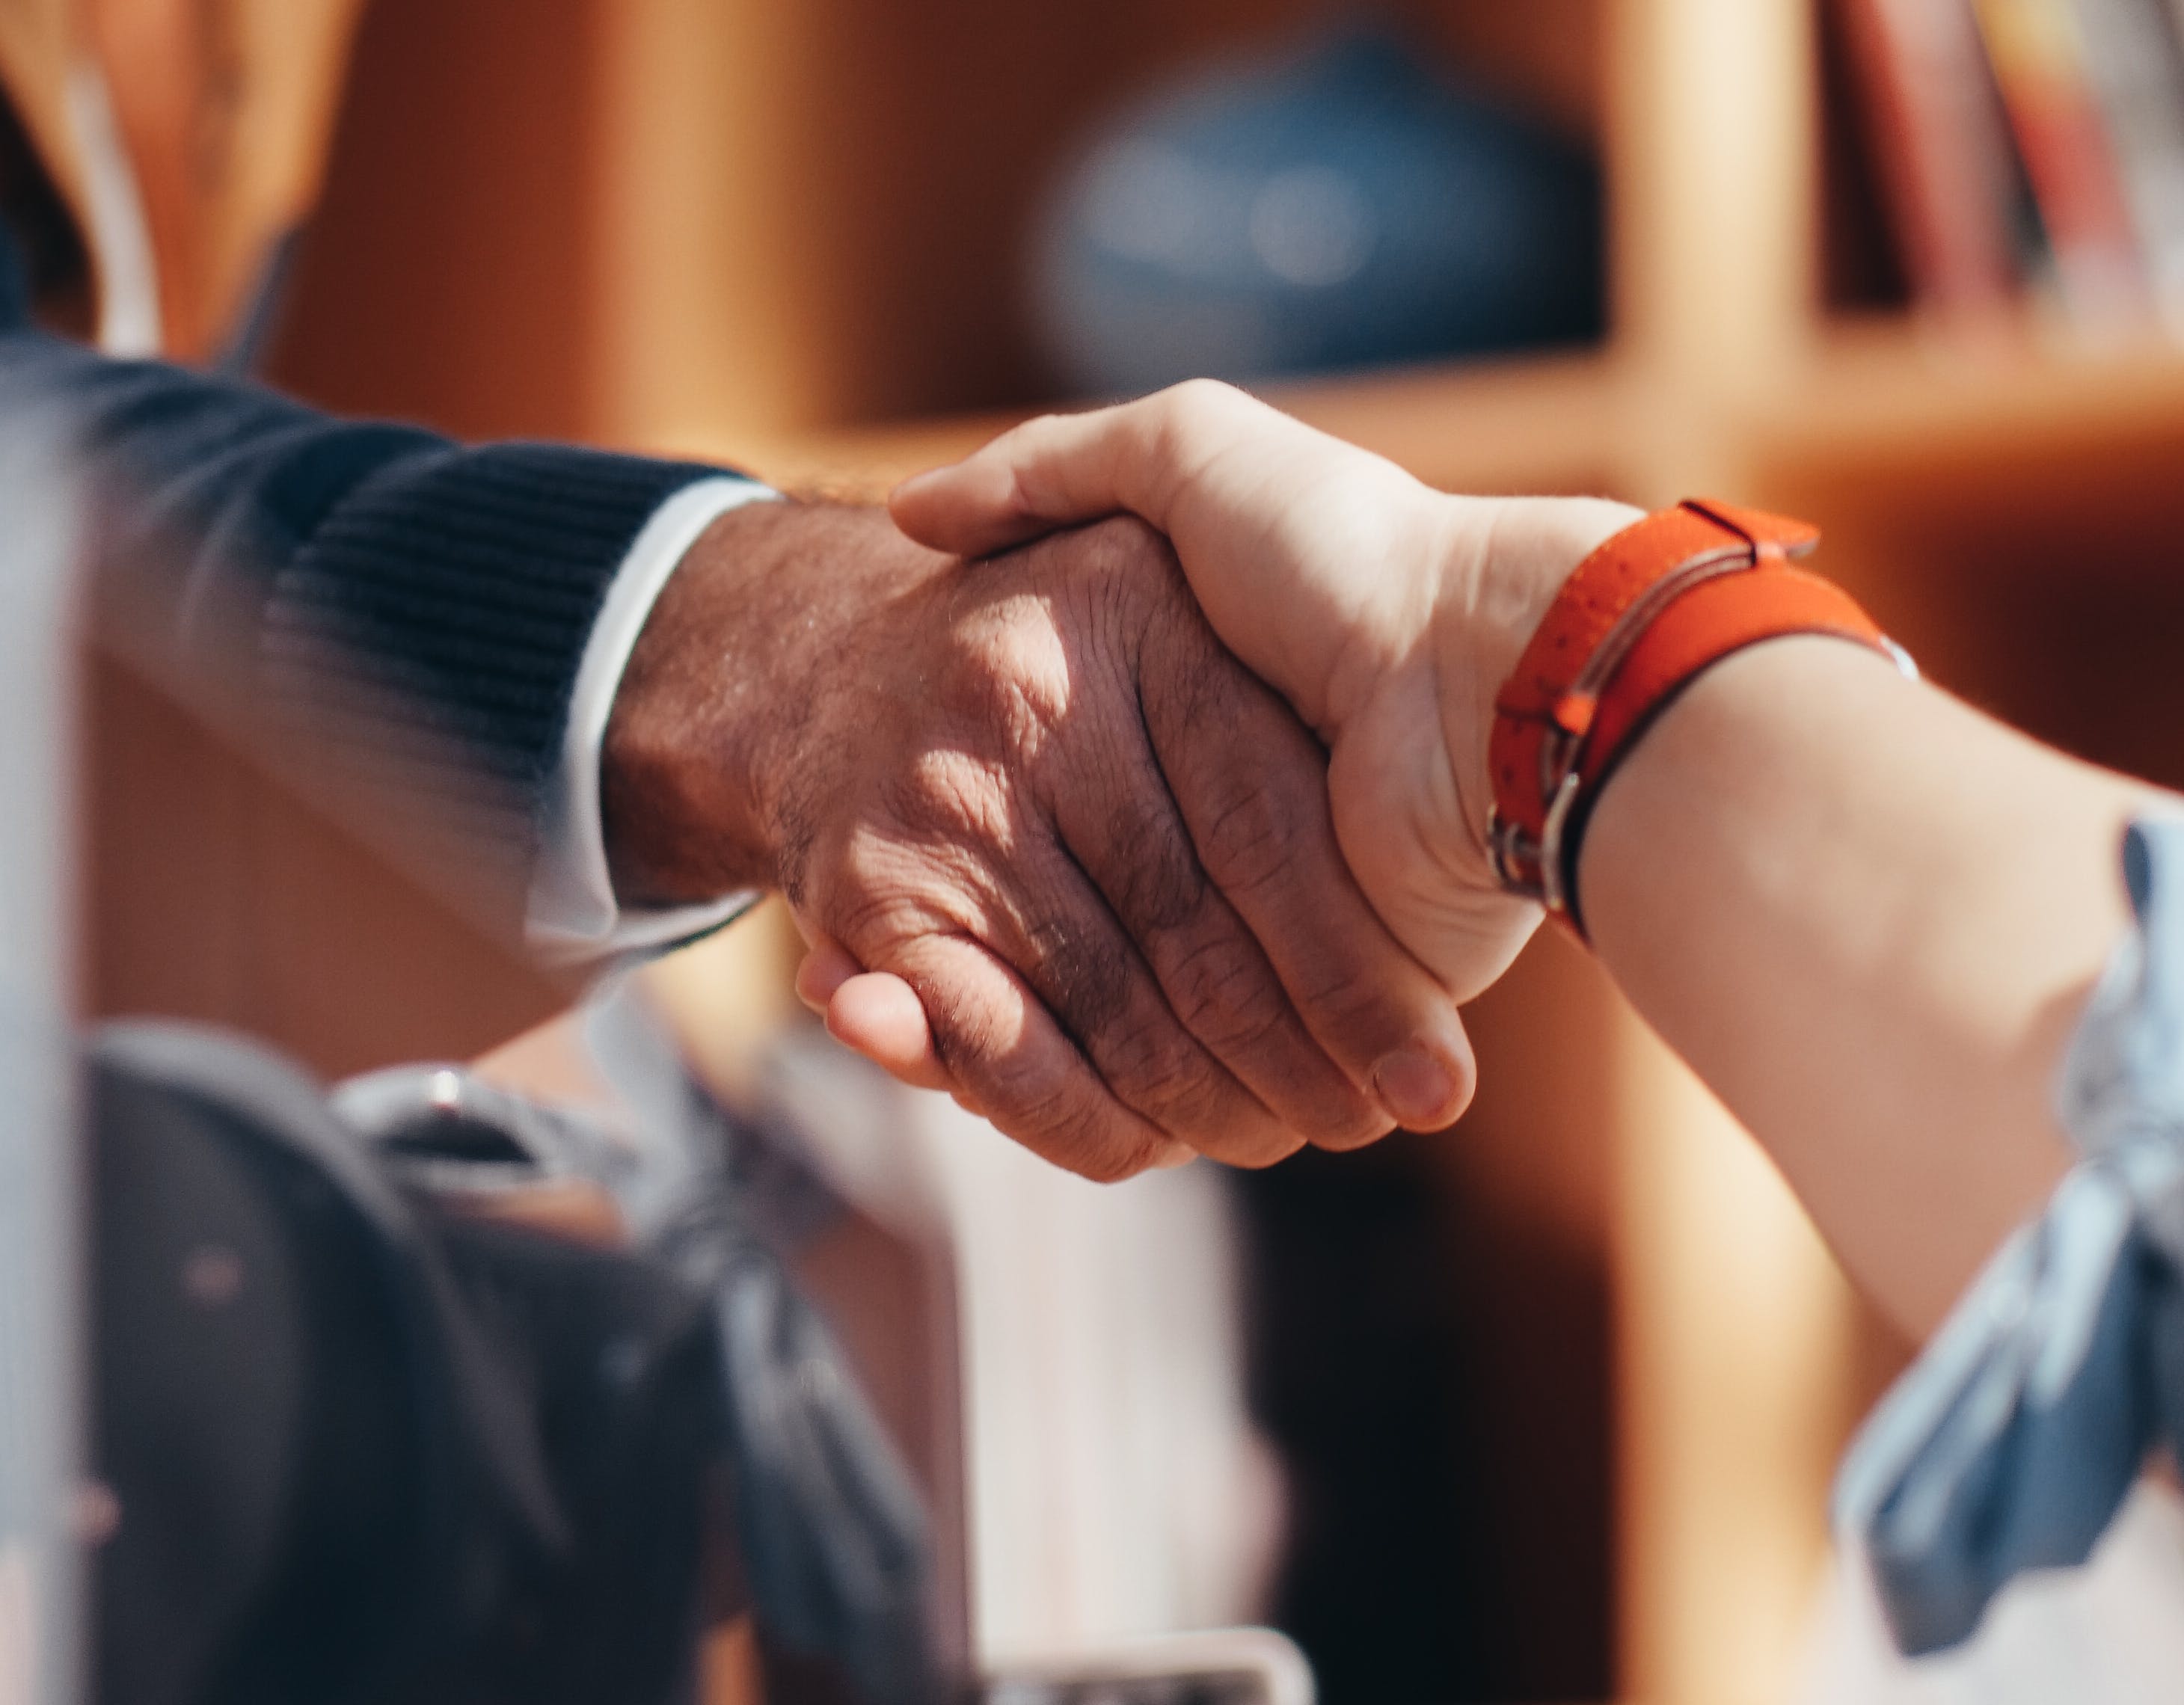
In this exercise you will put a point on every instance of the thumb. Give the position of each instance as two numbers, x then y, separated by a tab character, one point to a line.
872	1013
1058	470
971	509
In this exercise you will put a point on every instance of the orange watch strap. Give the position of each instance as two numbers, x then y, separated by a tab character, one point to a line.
1601	591
1714	619
1642	618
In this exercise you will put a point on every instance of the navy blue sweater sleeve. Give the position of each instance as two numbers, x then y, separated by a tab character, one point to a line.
403	615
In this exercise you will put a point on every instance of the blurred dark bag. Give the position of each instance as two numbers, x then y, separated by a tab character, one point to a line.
363	1434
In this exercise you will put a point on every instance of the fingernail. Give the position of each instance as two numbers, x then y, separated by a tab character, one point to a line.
1175	1155
1415	1088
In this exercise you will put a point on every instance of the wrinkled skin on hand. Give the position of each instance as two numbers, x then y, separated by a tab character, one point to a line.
1038	792
1388	614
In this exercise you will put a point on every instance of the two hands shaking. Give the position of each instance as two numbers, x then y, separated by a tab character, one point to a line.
1130	783
1144	812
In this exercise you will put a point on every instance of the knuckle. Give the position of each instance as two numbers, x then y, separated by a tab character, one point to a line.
1202	402
1152	1064
1324	1108
1009	677
1225	994
1192	414
1129	536
1114	1162
1087	982
947	792
1070	1126
1347	998
1113	545
1249	843
1160	886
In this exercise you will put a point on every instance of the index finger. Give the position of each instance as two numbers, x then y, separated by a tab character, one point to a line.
1013	1065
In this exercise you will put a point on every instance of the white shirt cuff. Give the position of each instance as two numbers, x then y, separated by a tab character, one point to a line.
573	915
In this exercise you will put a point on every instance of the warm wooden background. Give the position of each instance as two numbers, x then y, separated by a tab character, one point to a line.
775	231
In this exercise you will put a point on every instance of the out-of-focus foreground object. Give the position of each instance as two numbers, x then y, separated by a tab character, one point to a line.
1111	1485
2107	1633
422	1391
42	1497
364	1438
1236	1666
2030	1416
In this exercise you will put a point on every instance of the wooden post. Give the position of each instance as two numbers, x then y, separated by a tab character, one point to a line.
1713	123
1734	1322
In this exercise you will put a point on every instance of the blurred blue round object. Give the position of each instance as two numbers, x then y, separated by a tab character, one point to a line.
1337	210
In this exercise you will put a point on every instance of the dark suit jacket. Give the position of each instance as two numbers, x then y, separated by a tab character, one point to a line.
399	616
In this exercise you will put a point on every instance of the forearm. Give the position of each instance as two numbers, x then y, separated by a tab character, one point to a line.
1867	916
1869	919
400	618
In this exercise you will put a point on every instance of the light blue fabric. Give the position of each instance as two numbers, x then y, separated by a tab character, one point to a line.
2011	1442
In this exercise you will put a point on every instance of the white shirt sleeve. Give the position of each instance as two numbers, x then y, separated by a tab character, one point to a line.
573	915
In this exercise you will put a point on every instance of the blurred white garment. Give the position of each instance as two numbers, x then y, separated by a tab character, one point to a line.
1117	1487
2111	1633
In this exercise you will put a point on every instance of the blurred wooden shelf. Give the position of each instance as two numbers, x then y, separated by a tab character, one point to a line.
1885	400
1890	399
1548	424
1545	424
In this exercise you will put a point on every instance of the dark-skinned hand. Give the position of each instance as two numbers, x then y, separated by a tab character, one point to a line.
1037	793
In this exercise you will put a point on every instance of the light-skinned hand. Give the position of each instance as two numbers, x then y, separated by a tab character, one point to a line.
1388	614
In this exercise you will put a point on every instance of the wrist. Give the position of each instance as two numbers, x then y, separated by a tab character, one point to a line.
757	632
664	766
1653	608
1503	562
